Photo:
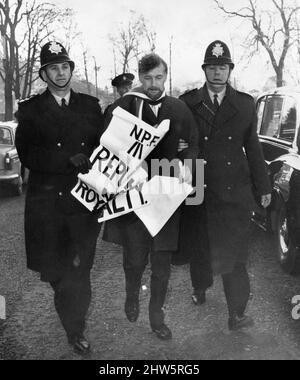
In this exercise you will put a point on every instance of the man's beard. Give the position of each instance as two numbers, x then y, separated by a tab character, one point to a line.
156	96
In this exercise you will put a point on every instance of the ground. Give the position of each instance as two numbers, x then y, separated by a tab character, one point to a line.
32	329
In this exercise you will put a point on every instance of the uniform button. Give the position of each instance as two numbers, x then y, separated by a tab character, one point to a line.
204	162
59	145
60	194
229	163
229	138
205	186
206	138
82	144
229	188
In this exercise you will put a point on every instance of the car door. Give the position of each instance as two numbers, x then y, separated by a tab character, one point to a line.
277	128
277	124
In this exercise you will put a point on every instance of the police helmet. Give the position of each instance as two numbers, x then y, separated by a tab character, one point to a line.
217	53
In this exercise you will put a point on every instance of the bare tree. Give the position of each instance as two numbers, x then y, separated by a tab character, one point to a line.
84	53
10	18
298	37
70	28
96	69
273	29
131	39
149	33
170	66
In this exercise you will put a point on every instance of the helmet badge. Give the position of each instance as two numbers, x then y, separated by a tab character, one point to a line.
55	48
218	50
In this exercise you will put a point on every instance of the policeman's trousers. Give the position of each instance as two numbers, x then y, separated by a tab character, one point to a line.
72	297
200	261
237	290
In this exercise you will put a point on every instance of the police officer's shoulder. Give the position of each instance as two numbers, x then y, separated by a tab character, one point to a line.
245	95
244	101
88	98
30	100
190	97
89	101
188	93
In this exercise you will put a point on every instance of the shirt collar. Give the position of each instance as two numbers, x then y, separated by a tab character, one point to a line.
59	98
221	95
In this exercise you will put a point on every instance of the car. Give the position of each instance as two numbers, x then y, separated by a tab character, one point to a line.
278	113
11	171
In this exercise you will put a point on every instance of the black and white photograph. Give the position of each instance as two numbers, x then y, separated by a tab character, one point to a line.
149	183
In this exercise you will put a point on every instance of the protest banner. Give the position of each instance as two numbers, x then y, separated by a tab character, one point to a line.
117	184
130	138
116	162
154	202
124	203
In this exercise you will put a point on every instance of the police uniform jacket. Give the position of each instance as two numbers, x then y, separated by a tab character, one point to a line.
47	136
235	170
129	229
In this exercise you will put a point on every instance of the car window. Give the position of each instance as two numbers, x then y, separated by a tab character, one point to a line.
289	119
271	122
5	136
260	113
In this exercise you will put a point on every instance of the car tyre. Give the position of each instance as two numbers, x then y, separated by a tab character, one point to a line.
287	251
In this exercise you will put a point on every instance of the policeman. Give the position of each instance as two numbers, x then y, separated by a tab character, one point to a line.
235	166
123	84
57	132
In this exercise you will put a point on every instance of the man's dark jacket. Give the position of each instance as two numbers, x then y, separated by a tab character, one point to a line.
182	126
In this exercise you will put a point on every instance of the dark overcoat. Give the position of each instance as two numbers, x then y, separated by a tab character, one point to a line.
128	229
47	136
235	170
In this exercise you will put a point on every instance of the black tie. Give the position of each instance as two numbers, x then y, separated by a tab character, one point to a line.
216	103
154	102
64	104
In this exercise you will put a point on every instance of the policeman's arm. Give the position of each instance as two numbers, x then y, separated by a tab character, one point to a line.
189	136
98	120
255	158
34	156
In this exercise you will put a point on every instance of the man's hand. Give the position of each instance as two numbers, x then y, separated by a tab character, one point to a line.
81	162
266	200
182	145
